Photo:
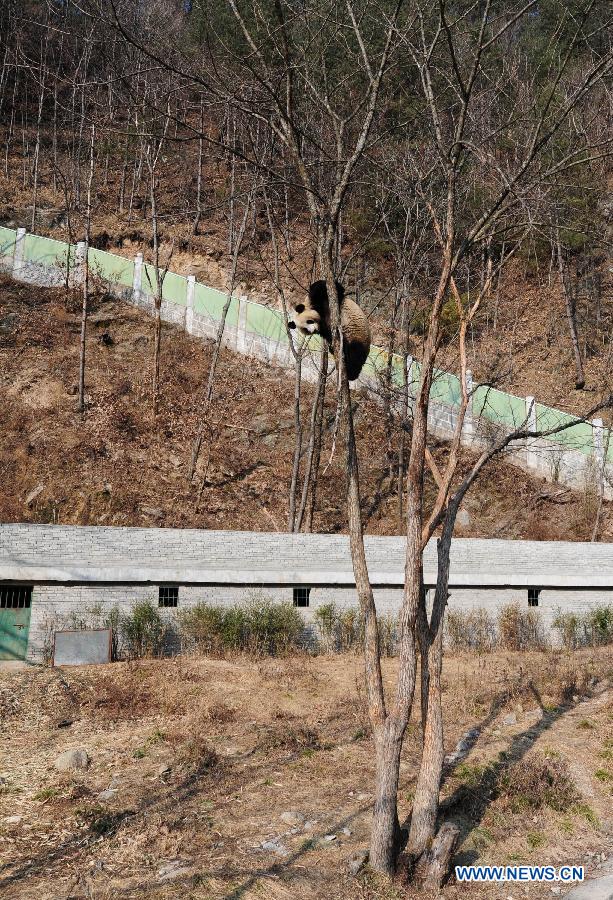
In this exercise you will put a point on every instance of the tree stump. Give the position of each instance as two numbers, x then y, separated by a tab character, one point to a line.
432	867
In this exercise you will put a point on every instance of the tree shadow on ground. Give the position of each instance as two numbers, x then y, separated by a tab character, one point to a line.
469	803
106	823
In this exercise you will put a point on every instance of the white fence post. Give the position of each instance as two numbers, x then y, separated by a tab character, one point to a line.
598	442
77	275
18	261
468	425
409	377
137	282
531	424
189	307
241	326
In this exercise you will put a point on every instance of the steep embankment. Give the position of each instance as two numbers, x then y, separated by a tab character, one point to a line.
117	465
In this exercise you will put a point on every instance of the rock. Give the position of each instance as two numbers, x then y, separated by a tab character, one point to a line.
72	760
154	511
163	770
329	837
357	861
34	494
108	794
8	323
463	518
594	889
275	845
309	825
270	440
103	318
12	820
261	424
293	817
511	719
173	868
347	832
556	891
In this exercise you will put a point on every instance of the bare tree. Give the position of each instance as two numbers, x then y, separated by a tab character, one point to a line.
84	310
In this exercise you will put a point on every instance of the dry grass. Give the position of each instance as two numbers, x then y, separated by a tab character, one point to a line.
127	469
206	754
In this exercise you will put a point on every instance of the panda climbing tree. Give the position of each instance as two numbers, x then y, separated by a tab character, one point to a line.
313	317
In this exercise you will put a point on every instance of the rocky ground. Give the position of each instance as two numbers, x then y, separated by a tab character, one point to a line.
227	778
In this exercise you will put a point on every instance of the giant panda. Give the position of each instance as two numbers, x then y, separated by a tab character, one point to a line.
313	317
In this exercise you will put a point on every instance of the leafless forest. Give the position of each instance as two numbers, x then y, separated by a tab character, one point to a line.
421	154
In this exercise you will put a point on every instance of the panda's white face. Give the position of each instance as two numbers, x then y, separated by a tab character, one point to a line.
306	319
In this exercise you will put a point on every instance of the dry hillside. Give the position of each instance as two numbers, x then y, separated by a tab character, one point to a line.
116	465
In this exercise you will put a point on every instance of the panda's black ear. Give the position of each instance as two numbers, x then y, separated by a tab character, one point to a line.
300	308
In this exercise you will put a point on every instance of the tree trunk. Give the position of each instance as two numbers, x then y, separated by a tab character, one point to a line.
309	486
293	490
84	310
434	864
385	834
570	316
425	803
196	225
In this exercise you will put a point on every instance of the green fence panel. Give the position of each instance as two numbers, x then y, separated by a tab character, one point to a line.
7	241
377	361
268	323
499	407
45	251
210	302
397	370
174	287
576	437
445	388
116	269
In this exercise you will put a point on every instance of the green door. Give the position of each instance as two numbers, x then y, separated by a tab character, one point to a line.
15	602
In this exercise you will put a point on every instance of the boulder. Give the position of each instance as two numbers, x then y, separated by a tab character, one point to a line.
357	861
72	760
293	817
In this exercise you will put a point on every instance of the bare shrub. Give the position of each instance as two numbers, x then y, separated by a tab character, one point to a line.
342	630
258	626
220	713
292	738
593	628
473	629
520	629
537	781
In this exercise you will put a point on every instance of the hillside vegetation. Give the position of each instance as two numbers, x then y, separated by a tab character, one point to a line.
117	465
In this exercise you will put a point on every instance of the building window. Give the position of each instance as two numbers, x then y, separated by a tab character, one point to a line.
533	596
301	596
169	596
15	596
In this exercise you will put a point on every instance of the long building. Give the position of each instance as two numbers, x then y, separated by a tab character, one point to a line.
53	576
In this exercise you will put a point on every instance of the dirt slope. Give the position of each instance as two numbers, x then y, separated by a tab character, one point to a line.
116	465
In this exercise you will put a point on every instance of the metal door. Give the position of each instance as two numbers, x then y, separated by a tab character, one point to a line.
15	608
